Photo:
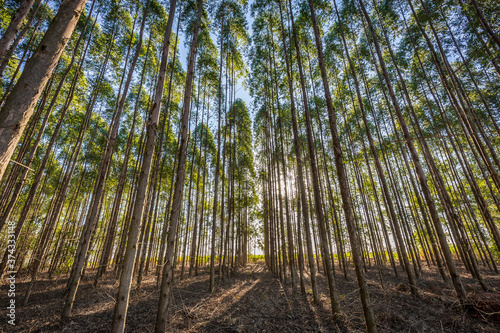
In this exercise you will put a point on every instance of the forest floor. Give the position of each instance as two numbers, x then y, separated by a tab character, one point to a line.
254	300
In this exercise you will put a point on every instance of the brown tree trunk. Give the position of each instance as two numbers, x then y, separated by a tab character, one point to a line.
300	171
459	288
14	26
99	188
378	166
342	177
21	102
166	285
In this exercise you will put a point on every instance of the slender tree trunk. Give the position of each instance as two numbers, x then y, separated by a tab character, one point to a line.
485	23
450	262
14	26
166	285
4	60
99	187
298	156
342	177
20	103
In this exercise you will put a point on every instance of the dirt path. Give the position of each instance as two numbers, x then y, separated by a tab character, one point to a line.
253	300
257	302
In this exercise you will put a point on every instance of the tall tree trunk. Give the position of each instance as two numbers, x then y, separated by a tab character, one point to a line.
166	285
315	177
485	23
342	177
41	130
4	60
99	187
14	26
378	166
300	171
450	262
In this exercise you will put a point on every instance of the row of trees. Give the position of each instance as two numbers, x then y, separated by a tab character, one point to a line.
108	157
377	139
375	126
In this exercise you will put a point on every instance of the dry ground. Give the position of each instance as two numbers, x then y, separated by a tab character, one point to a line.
254	300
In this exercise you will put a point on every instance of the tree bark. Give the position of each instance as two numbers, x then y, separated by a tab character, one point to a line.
14	26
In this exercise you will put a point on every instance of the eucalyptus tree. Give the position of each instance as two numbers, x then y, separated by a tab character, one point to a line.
416	160
297	148
166	284
352	101
230	19
243	166
31	156
104	168
14	26
121	306
378	166
19	105
122	179
207	69
34	12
